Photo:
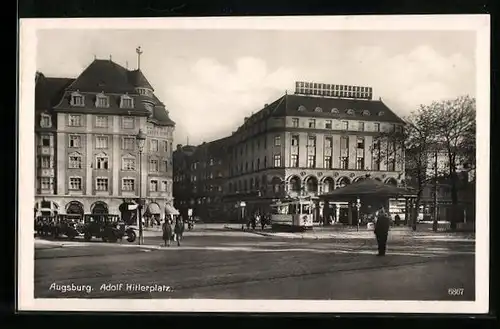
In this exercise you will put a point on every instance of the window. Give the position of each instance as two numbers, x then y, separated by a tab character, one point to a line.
277	140
101	121
328	142
75	120
376	127
360	142
102	184
361	126
344	162
295	122
128	122
381	113
102	101
153	146
344	142
312	123
128	184
345	125
311	161
153	186
350	111
366	112
165	163
295	140
153	165
75	161
335	110
45	140
318	109
128	143
311	141
360	163
391	165
102	161
294	159
101	142
277	160
45	121
265	161
164	185
77	100
46	183
328	162
328	124
45	162
74	141
127	102
301	108
128	163
165	146
75	183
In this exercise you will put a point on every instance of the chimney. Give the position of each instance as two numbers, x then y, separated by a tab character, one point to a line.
245	120
266	105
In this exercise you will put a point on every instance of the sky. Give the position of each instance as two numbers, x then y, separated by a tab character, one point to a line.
209	80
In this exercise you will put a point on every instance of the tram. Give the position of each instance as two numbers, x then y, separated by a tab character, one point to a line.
292	215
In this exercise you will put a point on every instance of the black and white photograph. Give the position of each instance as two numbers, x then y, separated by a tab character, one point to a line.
263	164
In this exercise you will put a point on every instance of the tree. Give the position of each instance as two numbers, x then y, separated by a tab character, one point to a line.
455	126
417	139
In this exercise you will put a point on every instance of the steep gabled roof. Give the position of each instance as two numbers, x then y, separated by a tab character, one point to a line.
48	91
377	110
137	79
106	76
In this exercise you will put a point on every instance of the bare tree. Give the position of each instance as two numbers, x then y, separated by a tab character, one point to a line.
455	122
417	139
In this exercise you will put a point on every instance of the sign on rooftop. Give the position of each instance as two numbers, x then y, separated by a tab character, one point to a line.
329	90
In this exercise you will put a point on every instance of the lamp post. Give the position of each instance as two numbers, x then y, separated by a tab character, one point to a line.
140	139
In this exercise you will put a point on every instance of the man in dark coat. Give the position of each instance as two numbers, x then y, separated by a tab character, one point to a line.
382	230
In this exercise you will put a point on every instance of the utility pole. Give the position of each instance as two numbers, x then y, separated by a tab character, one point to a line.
435	221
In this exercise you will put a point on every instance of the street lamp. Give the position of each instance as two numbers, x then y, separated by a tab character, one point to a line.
140	139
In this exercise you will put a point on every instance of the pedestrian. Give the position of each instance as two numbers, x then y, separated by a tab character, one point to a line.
382	230
248	222
178	230
262	221
167	232
397	220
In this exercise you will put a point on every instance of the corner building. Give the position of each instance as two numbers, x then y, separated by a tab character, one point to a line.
308	144
87	160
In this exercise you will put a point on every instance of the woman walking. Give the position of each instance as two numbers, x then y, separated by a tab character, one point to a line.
167	232
178	229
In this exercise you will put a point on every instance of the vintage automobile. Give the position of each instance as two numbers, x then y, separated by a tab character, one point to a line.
70	225
107	227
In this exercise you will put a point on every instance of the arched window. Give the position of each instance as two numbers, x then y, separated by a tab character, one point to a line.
312	184
318	109
335	110
295	185
328	185
343	181
301	108
350	111
45	120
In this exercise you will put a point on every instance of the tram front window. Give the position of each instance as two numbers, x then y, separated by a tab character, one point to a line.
306	209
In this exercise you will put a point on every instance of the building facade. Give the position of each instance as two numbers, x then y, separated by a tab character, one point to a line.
87	159
308	144
200	174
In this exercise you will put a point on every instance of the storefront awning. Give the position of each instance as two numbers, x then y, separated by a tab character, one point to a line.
154	209
170	210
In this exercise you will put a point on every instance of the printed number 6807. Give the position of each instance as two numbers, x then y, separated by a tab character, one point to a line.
455	291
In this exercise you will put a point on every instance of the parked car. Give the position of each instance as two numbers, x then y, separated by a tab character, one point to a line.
109	228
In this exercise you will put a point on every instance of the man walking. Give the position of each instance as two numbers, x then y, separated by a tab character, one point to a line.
382	231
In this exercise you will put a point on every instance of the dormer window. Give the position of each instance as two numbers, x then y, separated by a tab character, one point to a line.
127	102
45	121
144	91
335	110
366	112
381	113
77	99
102	101
350	111
301	108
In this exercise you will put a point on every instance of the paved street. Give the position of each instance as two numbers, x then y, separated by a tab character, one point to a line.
246	265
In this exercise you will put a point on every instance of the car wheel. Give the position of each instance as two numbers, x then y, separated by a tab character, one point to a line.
131	236
87	237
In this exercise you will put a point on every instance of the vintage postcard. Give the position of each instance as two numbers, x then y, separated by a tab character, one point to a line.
256	164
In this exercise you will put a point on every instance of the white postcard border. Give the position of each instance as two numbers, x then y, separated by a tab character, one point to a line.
27	69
